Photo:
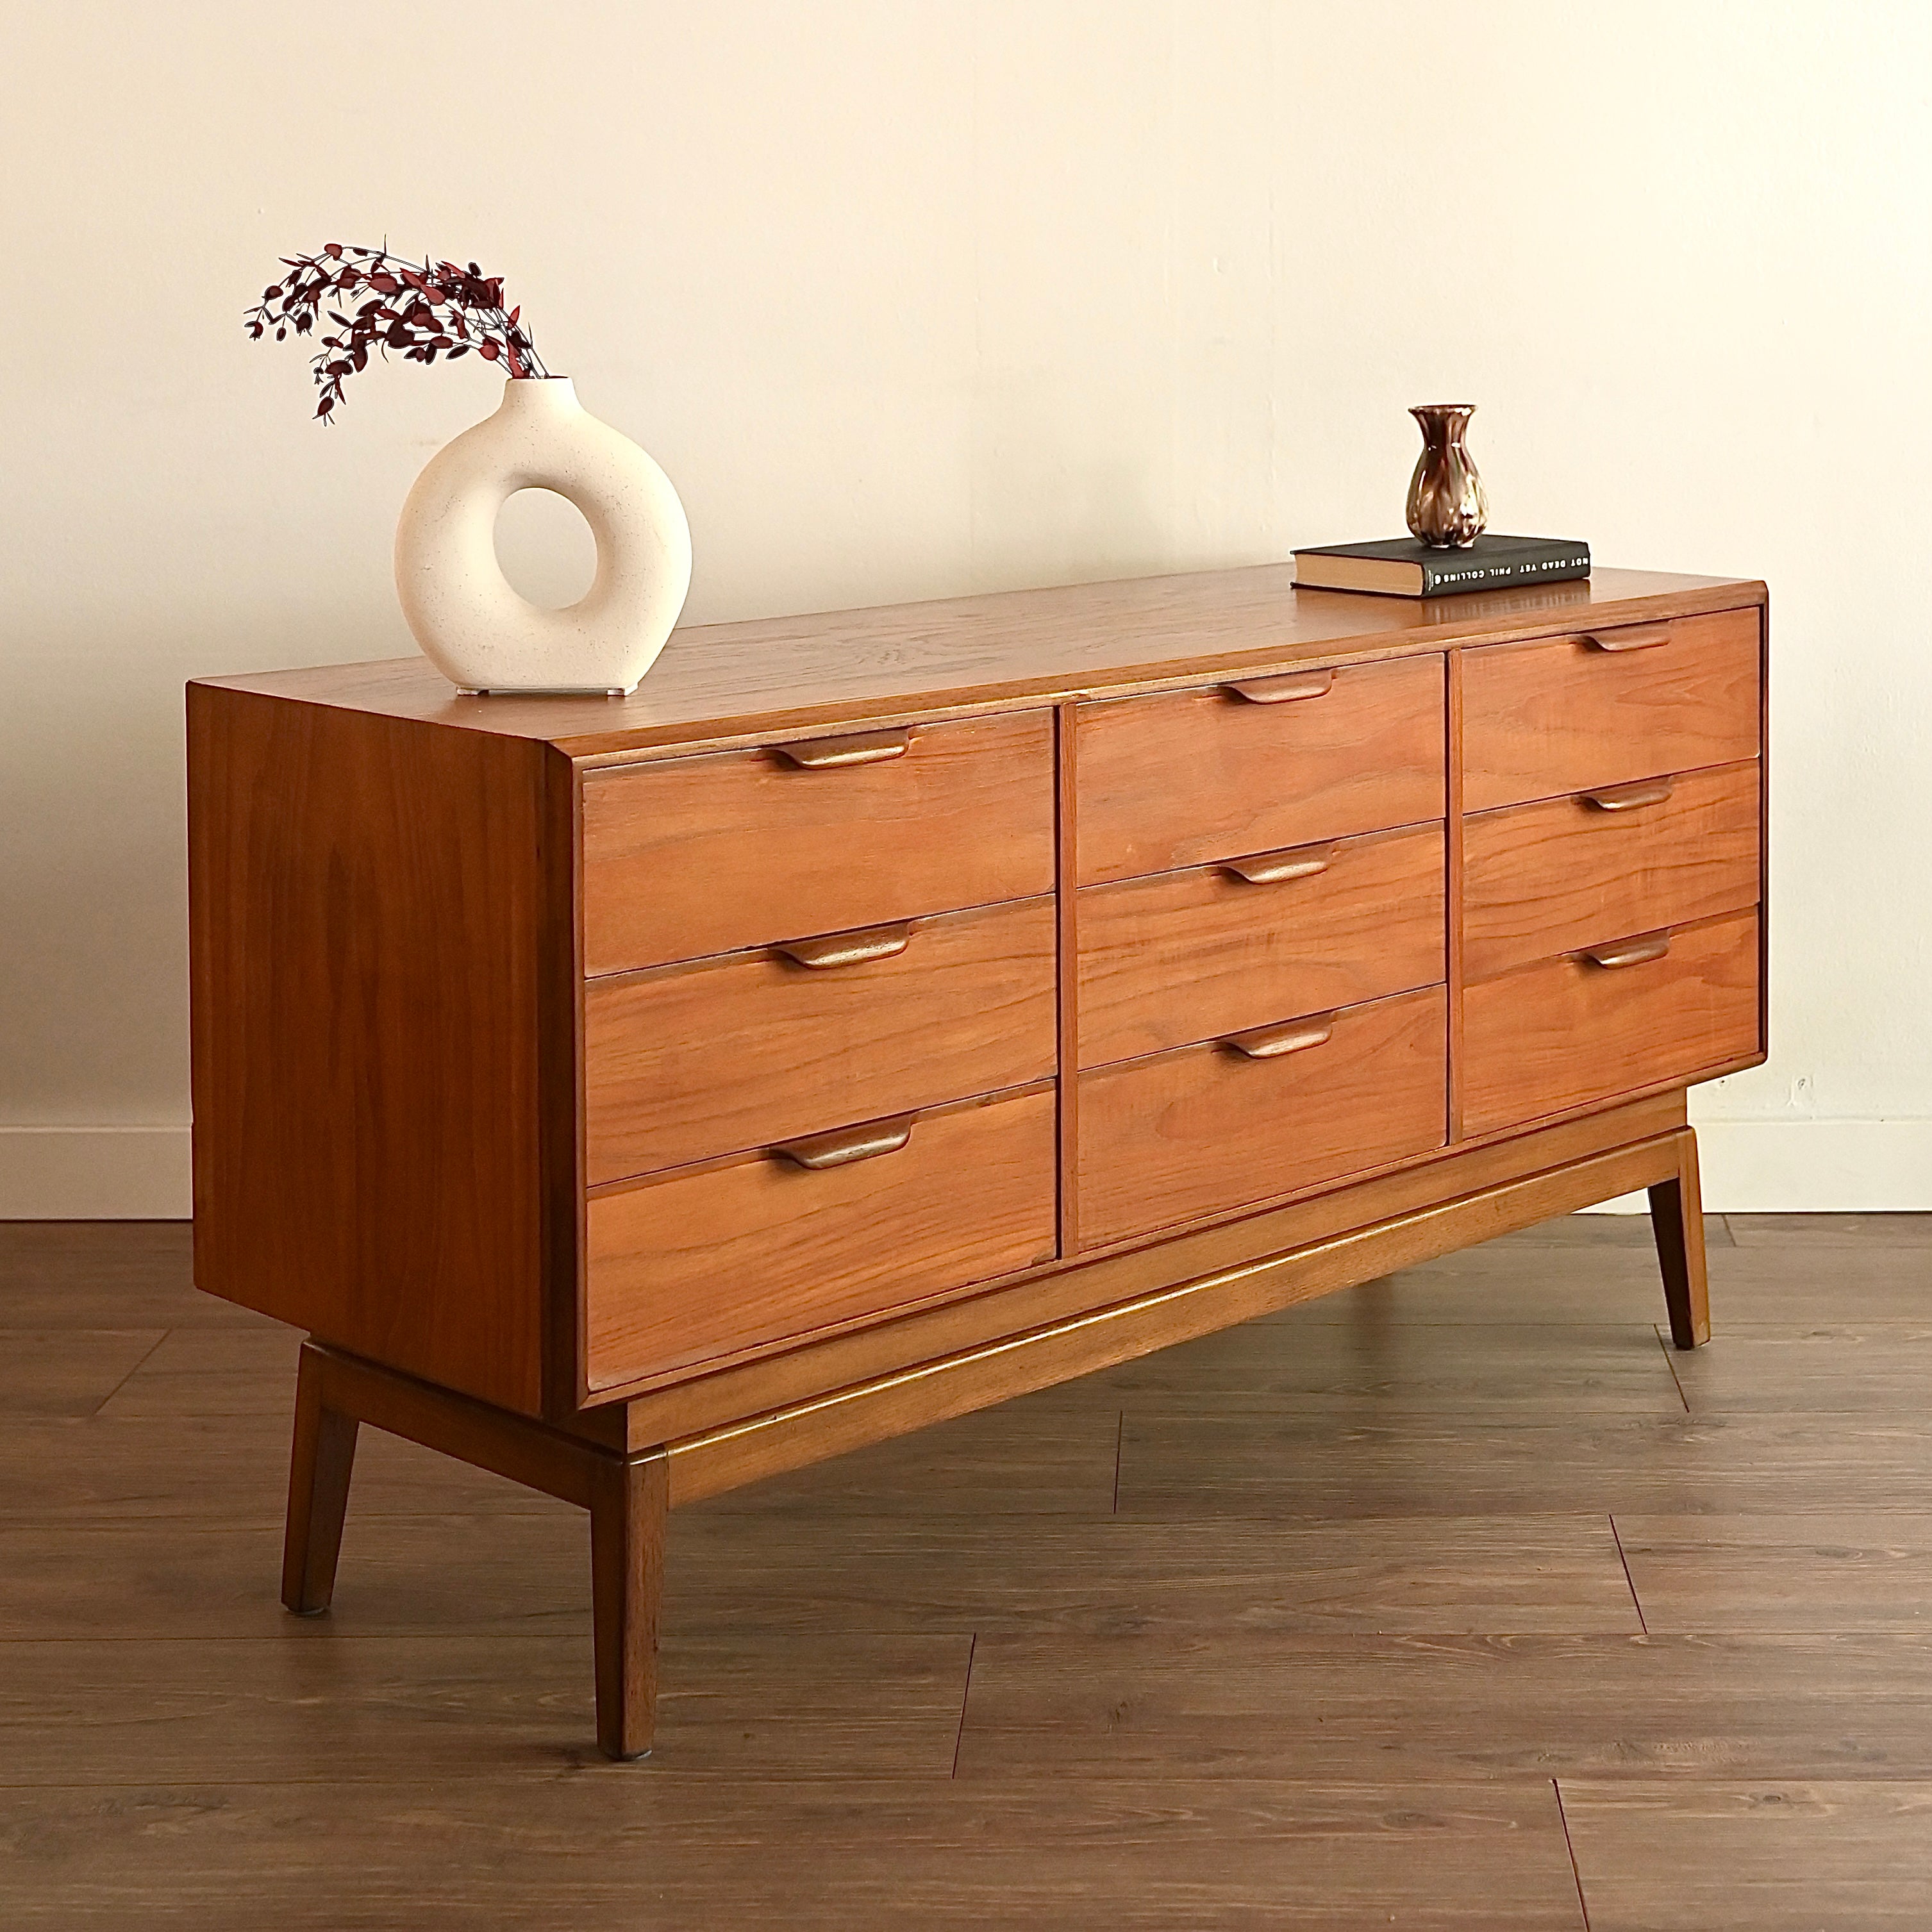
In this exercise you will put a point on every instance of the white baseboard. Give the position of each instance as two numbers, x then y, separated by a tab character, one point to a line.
94	1174
1749	1167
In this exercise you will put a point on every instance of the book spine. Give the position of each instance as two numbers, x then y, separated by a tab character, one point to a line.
1451	578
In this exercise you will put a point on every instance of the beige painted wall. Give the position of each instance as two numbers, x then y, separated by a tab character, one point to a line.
914	299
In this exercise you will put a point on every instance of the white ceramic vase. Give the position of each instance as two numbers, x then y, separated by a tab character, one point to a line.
479	631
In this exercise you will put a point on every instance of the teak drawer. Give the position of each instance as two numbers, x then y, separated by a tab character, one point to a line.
1186	956
1207	1129
708	1264
1550	877
1603	709
1192	776
698	855
685	1063
1567	1031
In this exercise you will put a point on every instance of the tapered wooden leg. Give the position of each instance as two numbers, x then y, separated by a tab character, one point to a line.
319	1467
1677	1219
629	1500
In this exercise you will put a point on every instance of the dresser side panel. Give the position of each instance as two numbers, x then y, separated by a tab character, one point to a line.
368	913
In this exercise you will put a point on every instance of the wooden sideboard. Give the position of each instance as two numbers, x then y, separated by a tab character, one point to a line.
883	1013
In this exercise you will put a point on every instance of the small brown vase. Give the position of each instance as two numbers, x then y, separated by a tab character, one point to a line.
1447	507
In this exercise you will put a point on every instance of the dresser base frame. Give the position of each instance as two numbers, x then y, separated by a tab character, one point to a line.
629	1492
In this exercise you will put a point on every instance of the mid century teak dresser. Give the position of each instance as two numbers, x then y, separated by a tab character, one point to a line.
880	1014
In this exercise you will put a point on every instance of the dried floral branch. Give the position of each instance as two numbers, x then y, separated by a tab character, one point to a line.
439	308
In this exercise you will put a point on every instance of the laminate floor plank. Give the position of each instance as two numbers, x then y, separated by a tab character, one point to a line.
1430	1708
1794	1368
1846	1570
1888	1234
618	1849
1237	1456
105	1274
68	1373
233	1471
1769	1855
448	1708
828	1576
211	1371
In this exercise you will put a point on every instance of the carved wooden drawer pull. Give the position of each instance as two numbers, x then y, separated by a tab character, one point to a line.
1270	869
848	949
1646	945
861	748
1639	637
849	1143
1285	690
1631	797
1270	1042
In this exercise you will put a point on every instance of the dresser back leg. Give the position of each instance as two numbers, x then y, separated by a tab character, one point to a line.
629	1500
320	1463
1677	1219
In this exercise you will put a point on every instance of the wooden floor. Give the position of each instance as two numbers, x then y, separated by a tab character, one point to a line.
1458	1601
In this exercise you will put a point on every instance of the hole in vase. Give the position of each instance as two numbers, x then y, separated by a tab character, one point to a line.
545	548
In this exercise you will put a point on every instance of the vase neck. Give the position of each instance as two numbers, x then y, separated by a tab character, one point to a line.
1443	424
546	396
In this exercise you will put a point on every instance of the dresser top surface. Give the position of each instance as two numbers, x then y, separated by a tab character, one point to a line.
719	683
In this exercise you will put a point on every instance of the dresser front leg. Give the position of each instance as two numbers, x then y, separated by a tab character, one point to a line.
320	1463
629	1500
1677	1220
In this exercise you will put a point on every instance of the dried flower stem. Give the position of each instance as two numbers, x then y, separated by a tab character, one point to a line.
437	309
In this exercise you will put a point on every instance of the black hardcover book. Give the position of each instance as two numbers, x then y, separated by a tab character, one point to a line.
1404	567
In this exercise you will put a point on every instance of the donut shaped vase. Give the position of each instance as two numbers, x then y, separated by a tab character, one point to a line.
463	613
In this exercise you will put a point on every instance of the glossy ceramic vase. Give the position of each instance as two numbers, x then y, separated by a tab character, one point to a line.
1447	506
471	624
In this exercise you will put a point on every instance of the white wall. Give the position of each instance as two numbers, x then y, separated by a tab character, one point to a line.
917	299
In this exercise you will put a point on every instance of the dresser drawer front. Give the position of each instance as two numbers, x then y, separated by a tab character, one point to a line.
1189	956
1194	776
698	1266
687	1062
1568	872
700	856
1567	1032
1205	1129
1575	712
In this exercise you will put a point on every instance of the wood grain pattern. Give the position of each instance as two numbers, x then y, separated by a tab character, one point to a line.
1668	1854
698	1265
368	923
1485	1179
791	675
1451	1707
856	1853
1187	956
956	1385
1188	1133
1550	877
686	1063
694	857
1566	1032
1546	719
1193	776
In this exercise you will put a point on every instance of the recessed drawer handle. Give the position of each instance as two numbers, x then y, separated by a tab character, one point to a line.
1629	797
1270	1042
1629	951
1285	690
862	748
1270	869
848	949
848	1144
1639	637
